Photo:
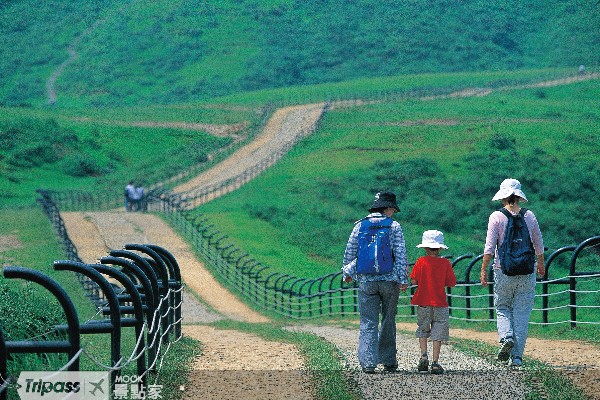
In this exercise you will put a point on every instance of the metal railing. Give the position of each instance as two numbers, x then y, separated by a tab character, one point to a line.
301	298
144	293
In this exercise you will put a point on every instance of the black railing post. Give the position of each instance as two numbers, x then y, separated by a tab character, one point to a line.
573	272
73	345
163	274
456	261
468	285
175	283
149	288
113	302
549	261
138	312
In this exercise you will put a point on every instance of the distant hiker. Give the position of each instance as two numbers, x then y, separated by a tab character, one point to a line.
514	289
581	69
129	194
433	274
138	198
375	257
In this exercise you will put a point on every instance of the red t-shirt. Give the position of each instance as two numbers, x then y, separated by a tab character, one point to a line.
433	275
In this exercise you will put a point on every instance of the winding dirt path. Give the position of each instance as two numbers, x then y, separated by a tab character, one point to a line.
233	364
282	130
271	370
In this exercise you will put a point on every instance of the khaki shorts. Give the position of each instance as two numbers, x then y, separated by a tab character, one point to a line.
432	322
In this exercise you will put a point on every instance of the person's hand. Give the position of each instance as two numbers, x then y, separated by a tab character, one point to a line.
403	287
483	278
347	279
541	269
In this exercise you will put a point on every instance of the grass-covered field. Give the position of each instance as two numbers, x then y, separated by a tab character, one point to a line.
166	52
101	150
444	158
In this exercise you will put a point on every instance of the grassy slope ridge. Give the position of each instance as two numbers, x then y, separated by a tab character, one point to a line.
168	51
444	158
99	150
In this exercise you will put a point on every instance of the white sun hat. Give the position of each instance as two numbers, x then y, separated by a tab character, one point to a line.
508	187
433	240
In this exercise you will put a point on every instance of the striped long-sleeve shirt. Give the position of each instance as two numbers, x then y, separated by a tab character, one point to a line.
399	273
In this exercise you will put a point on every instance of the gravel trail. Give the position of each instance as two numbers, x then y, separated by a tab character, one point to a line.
465	377
281	131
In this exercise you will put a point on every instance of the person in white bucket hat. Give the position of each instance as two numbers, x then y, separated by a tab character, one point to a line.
432	240
433	274
513	295
509	187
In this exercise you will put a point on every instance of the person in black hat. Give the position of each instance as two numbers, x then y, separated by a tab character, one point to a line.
377	291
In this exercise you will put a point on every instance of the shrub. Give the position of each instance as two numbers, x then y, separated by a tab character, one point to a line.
81	165
32	156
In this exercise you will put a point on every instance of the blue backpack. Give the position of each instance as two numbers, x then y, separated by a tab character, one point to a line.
516	253
374	247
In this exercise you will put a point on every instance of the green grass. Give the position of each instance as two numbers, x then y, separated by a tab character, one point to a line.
177	367
93	152
444	175
390	88
33	244
323	359
543	381
166	52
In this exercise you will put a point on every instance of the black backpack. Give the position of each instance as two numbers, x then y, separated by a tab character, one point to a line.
516	253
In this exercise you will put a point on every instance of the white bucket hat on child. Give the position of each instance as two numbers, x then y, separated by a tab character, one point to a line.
508	187
433	240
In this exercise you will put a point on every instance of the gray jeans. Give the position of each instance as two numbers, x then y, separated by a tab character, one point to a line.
377	344
513	299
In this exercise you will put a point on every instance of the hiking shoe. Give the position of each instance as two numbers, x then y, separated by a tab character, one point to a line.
390	368
516	362
436	368
506	346
423	365
368	370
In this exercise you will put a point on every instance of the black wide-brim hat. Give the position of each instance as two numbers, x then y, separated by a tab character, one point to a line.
384	200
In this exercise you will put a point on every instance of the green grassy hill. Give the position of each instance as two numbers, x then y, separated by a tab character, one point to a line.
102	150
444	158
141	66
165	51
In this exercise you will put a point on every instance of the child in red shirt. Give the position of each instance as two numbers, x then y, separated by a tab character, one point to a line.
432	274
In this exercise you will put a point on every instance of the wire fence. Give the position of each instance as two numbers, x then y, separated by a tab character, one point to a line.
569	296
558	299
138	287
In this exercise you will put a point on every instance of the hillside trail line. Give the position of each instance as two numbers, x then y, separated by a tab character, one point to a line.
95	233
255	368
282	129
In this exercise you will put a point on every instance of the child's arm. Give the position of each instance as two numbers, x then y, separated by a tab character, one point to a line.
450	276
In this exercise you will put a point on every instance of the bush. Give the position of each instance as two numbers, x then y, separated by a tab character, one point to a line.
81	165
32	156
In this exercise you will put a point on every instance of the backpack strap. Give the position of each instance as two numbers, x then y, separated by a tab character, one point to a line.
377	226
505	212
508	214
